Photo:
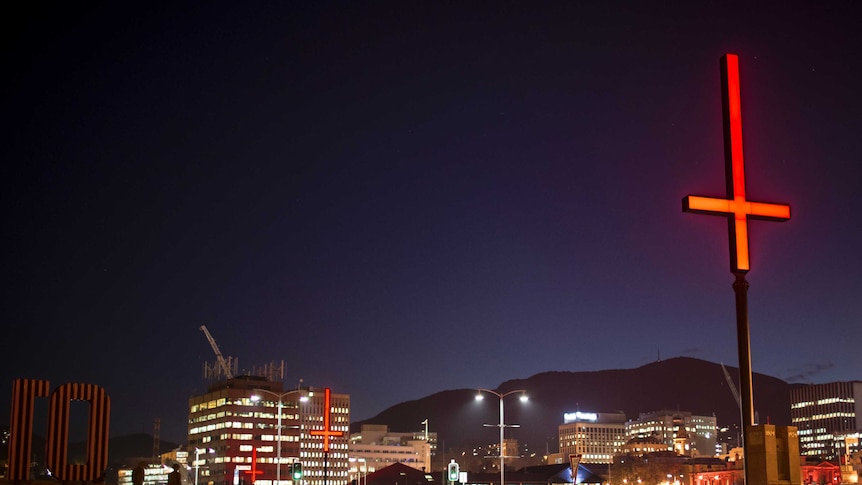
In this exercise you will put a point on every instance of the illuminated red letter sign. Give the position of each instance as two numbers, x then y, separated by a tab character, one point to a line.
24	394
735	207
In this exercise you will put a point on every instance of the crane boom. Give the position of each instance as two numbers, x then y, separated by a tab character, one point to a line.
731	384
219	357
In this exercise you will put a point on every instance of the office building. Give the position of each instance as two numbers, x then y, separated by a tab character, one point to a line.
826	415
597	437
681	431
237	422
375	447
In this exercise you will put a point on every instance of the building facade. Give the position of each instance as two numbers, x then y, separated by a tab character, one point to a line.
682	432
237	421
375	447
825	415
597	437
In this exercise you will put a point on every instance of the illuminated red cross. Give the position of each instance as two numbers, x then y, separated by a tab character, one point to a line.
735	207
254	472
326	432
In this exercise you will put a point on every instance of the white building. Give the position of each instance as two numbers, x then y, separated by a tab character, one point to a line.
700	432
597	437
375	447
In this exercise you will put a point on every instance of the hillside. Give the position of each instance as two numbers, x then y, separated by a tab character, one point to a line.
680	383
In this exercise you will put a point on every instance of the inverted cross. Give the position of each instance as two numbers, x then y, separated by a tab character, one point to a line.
326	432
735	207
254	472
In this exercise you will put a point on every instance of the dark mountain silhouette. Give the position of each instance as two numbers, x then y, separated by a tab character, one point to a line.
681	383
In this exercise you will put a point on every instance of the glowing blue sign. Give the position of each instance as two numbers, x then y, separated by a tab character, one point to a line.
579	416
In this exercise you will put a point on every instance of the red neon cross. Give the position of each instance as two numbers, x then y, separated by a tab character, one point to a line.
327	431
254	472
735	207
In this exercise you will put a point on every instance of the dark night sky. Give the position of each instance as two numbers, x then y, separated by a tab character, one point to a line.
402	198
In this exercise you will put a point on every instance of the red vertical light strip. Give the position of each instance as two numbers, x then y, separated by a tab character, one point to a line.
97	432
24	394
739	233
327	405
734	109
254	465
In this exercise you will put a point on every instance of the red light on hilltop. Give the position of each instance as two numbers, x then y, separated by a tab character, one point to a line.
735	207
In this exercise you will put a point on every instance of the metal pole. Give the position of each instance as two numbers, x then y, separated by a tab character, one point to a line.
325	467
197	464
502	468
278	466
743	340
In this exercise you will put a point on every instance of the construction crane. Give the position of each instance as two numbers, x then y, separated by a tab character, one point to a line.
222	362
736	393
732	385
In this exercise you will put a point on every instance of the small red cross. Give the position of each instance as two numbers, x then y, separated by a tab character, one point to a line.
327	431
735	207
254	472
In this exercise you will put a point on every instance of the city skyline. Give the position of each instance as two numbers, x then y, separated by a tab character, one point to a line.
397	200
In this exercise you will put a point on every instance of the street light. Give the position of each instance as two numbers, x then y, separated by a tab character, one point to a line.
198	452
502	424
280	397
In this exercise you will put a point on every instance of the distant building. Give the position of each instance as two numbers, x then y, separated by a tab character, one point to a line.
238	419
641	446
511	448
597	437
681	431
825	415
153	475
375	447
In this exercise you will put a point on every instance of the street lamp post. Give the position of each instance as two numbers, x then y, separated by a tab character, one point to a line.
502	424
280	397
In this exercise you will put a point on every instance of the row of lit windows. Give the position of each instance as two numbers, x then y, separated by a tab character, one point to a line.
242	401
333	418
822	402
305	455
815	417
338	446
225	414
309	468
399	450
594	456
213	427
269	437
288	438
